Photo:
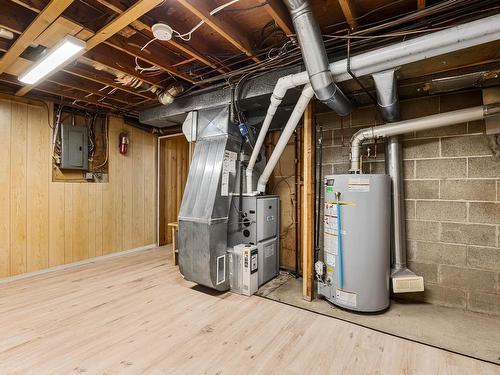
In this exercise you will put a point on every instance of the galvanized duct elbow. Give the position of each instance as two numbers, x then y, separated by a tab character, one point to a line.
315	58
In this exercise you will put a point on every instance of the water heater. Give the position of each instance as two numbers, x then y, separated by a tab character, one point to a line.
355	267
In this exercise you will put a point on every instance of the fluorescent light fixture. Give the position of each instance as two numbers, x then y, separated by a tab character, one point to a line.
57	56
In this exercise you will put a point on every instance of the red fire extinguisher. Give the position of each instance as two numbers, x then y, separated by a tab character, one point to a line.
123	143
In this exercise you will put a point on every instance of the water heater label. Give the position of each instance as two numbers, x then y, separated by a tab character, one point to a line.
330	259
359	184
331	244
346	298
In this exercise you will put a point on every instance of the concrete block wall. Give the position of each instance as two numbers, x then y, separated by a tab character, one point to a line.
452	184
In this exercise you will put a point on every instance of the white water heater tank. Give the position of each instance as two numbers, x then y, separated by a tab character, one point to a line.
356	265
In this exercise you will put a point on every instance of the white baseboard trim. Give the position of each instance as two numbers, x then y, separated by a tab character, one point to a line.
76	264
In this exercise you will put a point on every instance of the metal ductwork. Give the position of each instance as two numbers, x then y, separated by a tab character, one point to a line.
388	102
204	212
387	94
315	57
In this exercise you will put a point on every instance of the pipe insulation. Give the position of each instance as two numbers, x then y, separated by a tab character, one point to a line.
418	124
315	58
441	42
298	111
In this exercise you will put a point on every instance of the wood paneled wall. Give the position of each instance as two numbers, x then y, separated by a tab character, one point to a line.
174	167
44	223
282	183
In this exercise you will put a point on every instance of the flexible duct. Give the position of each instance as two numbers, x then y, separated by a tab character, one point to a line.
418	124
315	57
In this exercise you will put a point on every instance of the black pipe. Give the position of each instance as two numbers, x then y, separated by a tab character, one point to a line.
351	73
296	160
319	183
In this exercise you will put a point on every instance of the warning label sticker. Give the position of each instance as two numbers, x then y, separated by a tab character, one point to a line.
331	244
346	298
330	259
228	166
359	184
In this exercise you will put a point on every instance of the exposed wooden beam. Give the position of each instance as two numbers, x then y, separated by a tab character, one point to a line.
76	71
79	72
349	13
92	76
122	44
420	4
132	13
48	15
124	19
184	49
57	90
277	10
221	26
150	60
307	225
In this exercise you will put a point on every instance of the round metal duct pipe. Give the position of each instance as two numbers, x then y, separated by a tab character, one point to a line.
315	57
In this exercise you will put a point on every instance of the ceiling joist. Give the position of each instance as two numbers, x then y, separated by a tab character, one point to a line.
221	26
349	13
277	10
44	19
184	49
131	14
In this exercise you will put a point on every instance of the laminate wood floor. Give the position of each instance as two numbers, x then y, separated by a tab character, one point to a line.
136	315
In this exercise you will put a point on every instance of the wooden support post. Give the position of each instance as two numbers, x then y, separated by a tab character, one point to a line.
307	227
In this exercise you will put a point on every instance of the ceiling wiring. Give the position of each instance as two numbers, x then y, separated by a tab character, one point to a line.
187	36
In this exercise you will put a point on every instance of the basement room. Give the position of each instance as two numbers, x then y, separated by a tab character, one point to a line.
249	187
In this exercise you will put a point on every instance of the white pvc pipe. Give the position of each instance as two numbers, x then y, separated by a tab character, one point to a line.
298	111
418	124
282	86
445	41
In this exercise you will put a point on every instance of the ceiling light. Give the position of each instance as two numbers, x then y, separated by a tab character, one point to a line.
57	56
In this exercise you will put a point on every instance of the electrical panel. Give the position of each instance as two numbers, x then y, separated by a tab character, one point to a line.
74	147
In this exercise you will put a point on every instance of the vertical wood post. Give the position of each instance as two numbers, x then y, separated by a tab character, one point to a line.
307	227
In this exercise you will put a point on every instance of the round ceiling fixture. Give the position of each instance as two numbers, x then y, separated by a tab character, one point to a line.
162	31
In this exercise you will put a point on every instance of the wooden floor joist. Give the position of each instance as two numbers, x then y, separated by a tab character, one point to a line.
221	26
48	15
277	10
349	13
131	14
183	48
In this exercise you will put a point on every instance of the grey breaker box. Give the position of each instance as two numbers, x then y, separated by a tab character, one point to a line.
74	147
260	227
355	271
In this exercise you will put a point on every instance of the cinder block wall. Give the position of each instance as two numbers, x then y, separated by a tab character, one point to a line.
452	184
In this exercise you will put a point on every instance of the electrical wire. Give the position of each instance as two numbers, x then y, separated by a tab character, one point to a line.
187	36
152	68
107	144
264	3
